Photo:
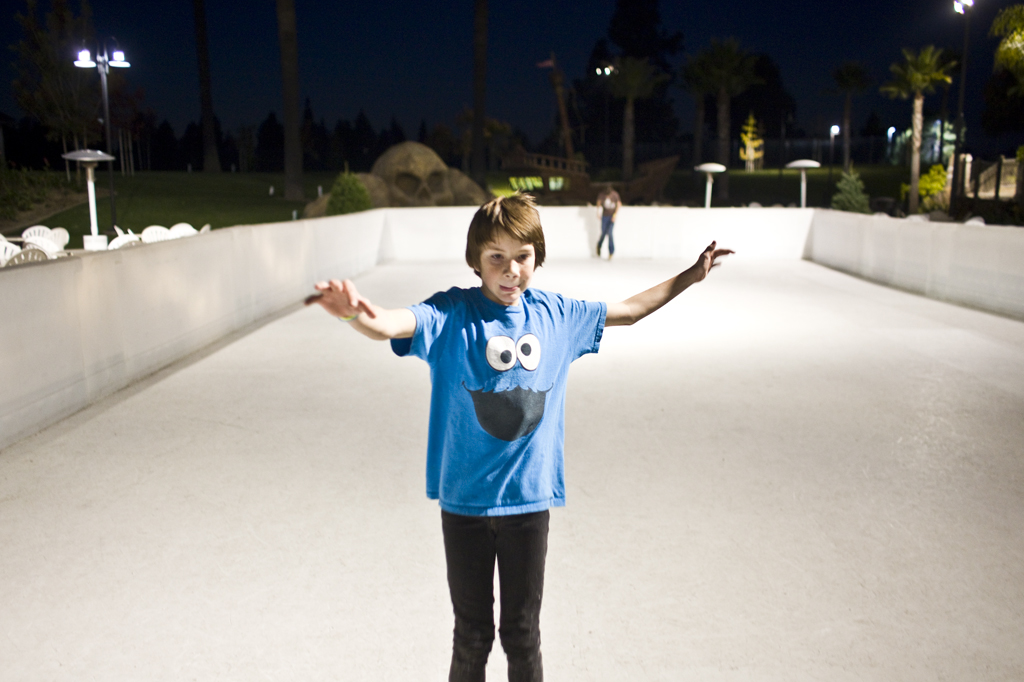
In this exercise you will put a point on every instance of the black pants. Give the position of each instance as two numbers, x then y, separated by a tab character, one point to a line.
520	545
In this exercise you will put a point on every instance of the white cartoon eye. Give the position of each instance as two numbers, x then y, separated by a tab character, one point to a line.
528	350
501	353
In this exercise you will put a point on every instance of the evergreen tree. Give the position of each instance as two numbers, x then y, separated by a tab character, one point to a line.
270	145
361	152
164	148
190	147
851	195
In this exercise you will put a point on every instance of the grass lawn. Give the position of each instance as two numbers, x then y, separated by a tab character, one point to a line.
166	198
766	187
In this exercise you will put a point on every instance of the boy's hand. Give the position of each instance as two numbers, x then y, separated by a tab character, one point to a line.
341	299
707	261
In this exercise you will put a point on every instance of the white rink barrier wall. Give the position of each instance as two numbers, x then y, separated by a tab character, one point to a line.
981	266
75	330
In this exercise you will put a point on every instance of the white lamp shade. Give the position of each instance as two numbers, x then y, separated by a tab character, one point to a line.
710	168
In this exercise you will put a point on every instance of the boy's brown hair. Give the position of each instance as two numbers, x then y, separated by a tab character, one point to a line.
514	215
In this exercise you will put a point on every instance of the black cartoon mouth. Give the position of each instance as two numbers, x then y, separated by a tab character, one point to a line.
509	415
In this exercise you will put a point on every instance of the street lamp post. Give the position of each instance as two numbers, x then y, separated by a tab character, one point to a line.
709	169
802	165
605	71
89	158
961	7
103	63
833	131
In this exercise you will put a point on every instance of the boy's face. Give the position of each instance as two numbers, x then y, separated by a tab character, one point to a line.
506	266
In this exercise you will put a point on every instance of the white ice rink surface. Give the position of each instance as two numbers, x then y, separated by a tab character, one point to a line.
788	474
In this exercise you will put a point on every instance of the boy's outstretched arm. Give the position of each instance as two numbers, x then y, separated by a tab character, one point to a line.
342	300
638	307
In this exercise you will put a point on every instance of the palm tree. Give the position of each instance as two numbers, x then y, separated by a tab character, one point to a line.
730	70
696	82
632	79
211	160
1009	25
477	170
287	37
851	78
915	77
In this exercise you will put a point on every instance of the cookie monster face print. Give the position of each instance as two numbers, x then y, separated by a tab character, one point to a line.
498	378
511	414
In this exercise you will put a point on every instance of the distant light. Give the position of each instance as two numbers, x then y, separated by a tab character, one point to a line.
891	132
118	60
118	56
608	70
968	3
84	60
598	71
835	130
958	7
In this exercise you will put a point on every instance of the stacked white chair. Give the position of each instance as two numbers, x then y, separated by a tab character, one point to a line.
155	233
27	255
182	230
124	240
7	251
60	237
38	231
43	244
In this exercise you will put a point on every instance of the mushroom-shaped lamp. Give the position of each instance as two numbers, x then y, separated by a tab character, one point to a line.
89	158
709	169
802	165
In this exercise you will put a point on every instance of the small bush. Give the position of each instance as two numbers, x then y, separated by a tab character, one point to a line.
20	190
348	195
851	195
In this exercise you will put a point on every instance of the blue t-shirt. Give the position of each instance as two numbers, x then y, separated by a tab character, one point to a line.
497	403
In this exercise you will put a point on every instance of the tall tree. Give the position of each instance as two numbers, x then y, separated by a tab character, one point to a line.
1009	25
698	84
768	99
917	75
478	168
211	160
731	70
635	27
851	78
48	86
632	79
287	35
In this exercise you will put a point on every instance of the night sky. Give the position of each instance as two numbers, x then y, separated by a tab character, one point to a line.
413	61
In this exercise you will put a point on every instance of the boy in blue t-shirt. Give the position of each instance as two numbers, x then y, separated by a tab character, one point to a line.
499	358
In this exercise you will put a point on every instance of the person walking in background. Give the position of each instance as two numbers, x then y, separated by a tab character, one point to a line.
608	203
